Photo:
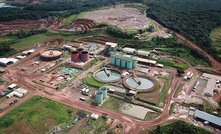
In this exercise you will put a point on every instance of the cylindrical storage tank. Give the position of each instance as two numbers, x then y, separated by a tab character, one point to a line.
104	91
134	64
113	60
99	97
79	51
129	64
84	56
118	60
75	56
123	63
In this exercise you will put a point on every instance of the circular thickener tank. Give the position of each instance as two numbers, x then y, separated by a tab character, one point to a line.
129	64
123	63
104	91
118	60
113	60
99	97
84	56
134	64
75	56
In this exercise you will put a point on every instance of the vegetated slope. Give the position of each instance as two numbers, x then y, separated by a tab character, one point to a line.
194	19
60	9
216	39
180	127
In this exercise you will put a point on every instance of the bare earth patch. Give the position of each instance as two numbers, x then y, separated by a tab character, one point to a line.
124	18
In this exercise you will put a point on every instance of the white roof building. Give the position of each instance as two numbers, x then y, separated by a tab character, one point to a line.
143	53
12	86
17	92
129	50
111	44
6	61
94	116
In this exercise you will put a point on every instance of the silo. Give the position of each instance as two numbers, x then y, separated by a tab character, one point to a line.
129	64
99	97
75	56
84	56
113	60
134	64
104	91
123	63
118	60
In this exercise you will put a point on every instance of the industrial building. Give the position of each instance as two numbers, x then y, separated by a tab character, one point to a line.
101	95
208	117
7	61
28	52
109	46
17	92
50	54
124	61
143	53
211	84
129	50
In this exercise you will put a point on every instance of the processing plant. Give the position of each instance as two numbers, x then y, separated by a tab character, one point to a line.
124	61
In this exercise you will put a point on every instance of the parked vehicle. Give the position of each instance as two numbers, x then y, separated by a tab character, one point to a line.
81	98
75	121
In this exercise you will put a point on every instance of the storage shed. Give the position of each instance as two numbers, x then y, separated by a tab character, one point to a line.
129	50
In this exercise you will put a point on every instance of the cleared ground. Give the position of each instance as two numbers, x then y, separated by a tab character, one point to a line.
124	18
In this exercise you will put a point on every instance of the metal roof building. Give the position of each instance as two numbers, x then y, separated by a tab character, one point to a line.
129	50
143	53
6	61
207	117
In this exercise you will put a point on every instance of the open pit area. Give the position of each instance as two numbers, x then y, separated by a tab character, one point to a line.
124	18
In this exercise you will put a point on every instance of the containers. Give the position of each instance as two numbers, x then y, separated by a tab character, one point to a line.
99	97
129	64
113	60
123	63
118	61
75	56
84	56
134	64
104	91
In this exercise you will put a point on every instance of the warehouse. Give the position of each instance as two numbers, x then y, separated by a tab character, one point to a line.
208	117
146	61
129	50
7	61
143	53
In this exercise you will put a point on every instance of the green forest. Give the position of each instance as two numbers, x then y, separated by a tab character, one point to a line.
58	9
180	127
195	19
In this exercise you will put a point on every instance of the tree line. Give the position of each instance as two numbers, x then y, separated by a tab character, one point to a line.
194	19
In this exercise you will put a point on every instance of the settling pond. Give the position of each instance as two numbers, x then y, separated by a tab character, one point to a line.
137	111
145	83
102	75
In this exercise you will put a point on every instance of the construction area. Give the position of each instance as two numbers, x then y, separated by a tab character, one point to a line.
124	18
